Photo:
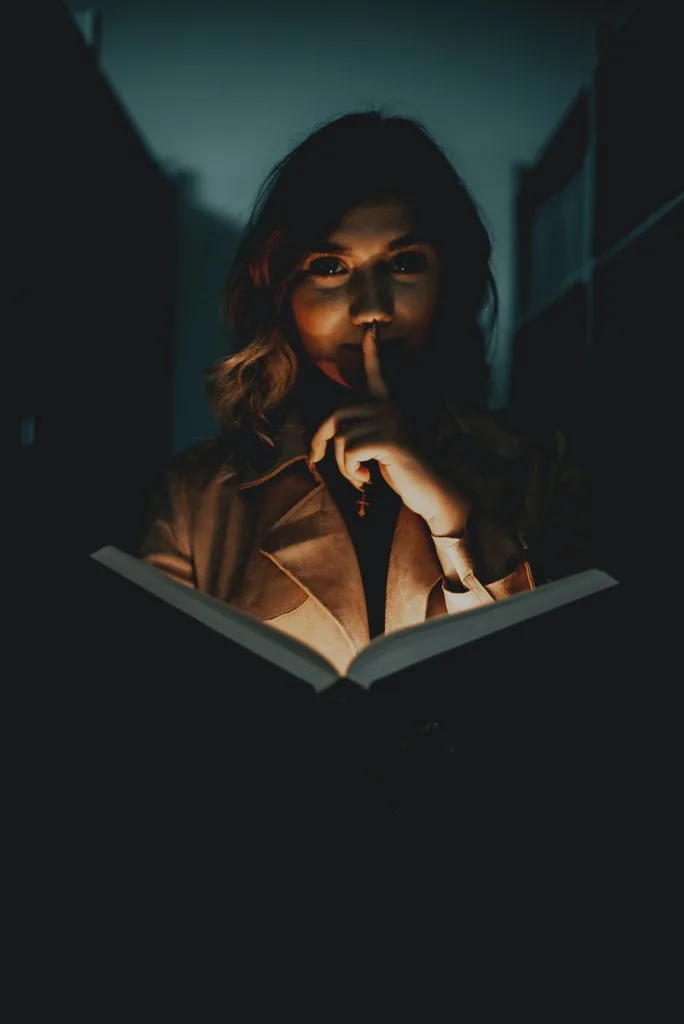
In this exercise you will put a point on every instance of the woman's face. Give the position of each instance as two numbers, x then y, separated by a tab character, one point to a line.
371	267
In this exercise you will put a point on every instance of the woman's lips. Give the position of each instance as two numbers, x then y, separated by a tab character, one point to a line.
383	346
393	353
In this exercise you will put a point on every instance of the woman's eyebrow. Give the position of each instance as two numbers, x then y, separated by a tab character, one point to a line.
411	238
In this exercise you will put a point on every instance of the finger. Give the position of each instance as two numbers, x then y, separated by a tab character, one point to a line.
371	362
364	445
320	439
366	451
361	474
349	467
361	432
330	426
354	412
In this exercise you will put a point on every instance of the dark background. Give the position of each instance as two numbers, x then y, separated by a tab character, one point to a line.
144	129
130	175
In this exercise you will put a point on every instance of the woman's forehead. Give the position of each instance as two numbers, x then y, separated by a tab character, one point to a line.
373	217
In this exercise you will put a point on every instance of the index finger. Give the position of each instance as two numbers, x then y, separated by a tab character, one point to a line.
371	362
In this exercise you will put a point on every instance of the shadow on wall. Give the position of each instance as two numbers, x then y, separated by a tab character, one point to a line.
207	247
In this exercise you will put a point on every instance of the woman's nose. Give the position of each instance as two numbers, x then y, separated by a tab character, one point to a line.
371	300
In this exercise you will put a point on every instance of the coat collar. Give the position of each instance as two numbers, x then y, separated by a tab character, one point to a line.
309	541
291	446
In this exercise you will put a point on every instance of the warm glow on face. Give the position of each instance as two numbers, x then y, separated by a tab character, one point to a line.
372	267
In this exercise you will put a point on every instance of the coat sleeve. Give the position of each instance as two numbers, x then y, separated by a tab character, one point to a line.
165	540
465	587
511	548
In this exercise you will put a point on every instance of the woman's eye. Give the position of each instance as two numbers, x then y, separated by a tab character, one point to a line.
411	262
404	263
321	267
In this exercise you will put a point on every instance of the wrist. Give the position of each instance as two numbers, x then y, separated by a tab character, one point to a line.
450	524
446	509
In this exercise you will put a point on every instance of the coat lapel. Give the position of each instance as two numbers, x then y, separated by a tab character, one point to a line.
311	544
413	571
305	536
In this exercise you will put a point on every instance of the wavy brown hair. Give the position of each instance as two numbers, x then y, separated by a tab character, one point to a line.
356	158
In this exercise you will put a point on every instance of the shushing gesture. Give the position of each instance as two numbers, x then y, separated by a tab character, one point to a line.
377	430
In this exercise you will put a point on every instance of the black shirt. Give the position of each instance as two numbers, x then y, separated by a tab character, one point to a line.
371	535
317	397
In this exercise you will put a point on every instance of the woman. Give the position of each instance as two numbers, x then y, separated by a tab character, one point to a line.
359	485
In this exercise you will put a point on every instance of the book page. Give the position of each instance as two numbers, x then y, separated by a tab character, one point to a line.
252	634
395	651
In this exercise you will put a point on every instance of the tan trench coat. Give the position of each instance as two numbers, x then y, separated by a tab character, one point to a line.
275	545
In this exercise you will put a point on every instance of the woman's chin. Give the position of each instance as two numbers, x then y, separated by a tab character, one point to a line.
351	371
352	377
355	382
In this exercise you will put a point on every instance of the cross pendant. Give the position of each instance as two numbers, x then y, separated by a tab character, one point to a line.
363	503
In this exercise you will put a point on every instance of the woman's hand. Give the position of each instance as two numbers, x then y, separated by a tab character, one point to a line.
377	431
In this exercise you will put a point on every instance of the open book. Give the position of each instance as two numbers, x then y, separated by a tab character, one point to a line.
434	642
